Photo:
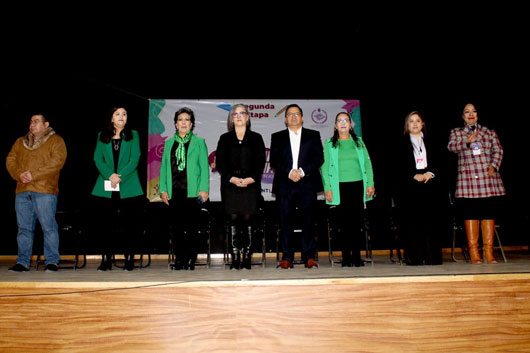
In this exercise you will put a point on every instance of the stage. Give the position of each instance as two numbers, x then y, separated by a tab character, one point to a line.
382	307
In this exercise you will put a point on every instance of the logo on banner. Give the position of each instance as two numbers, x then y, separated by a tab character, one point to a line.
319	116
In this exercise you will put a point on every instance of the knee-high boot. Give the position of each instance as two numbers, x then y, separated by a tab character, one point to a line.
472	232
236	254
488	234
246	262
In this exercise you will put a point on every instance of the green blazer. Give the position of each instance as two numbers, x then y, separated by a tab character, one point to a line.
197	167
330	169
127	167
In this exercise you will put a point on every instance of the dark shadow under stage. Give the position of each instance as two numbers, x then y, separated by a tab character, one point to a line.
381	307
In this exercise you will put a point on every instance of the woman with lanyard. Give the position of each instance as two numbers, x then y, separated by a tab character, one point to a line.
418	194
348	183
479	184
184	186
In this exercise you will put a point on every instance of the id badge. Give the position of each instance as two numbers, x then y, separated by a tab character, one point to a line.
476	149
421	163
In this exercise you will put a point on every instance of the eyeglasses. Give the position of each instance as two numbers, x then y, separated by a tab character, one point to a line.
343	121
241	114
290	115
35	122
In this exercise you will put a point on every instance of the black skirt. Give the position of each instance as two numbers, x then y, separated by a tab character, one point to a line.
241	200
479	208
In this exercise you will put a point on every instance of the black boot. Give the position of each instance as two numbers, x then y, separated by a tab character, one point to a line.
357	261
177	265
346	259
236	259
106	263
103	265
246	261
236	254
129	263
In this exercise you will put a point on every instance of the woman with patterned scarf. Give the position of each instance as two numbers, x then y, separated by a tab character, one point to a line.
184	185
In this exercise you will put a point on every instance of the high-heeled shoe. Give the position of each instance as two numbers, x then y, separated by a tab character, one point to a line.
177	266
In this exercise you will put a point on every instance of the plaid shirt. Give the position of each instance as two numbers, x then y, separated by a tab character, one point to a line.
473	180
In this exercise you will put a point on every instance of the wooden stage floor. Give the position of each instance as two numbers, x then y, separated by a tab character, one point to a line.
384	307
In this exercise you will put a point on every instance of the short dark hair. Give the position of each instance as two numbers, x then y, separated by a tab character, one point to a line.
293	106
44	119
187	111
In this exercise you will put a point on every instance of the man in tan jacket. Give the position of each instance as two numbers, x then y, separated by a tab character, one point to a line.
35	161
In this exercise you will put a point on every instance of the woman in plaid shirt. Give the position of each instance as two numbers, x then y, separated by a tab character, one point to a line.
478	183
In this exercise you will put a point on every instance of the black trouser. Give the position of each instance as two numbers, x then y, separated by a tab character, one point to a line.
288	204
184	217
119	224
349	219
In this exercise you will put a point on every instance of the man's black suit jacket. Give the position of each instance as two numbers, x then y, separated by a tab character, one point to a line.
310	158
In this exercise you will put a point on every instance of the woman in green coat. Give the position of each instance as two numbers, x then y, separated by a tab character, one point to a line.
184	186
348	183
118	192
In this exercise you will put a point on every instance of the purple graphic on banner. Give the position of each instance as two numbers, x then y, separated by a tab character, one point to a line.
319	116
211	162
351	104
154	155
268	174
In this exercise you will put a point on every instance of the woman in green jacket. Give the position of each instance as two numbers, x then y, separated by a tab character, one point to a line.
348	183
118	192
184	186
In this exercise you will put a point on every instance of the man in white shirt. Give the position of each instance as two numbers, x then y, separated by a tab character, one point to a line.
296	156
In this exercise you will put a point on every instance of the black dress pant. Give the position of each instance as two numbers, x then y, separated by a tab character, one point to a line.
184	217
119	224
420	224
288	216
349	216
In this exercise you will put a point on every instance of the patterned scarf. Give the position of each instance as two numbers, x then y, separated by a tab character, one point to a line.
180	153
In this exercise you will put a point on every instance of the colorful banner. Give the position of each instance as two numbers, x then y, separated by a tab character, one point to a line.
267	117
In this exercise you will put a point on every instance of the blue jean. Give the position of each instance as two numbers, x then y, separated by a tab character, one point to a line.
29	207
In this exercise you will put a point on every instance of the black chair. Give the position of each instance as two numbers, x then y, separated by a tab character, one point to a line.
396	242
70	241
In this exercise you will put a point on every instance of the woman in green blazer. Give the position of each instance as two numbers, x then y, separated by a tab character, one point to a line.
118	190
348	183
184	186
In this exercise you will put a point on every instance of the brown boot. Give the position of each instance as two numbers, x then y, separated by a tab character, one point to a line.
488	232
472	231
